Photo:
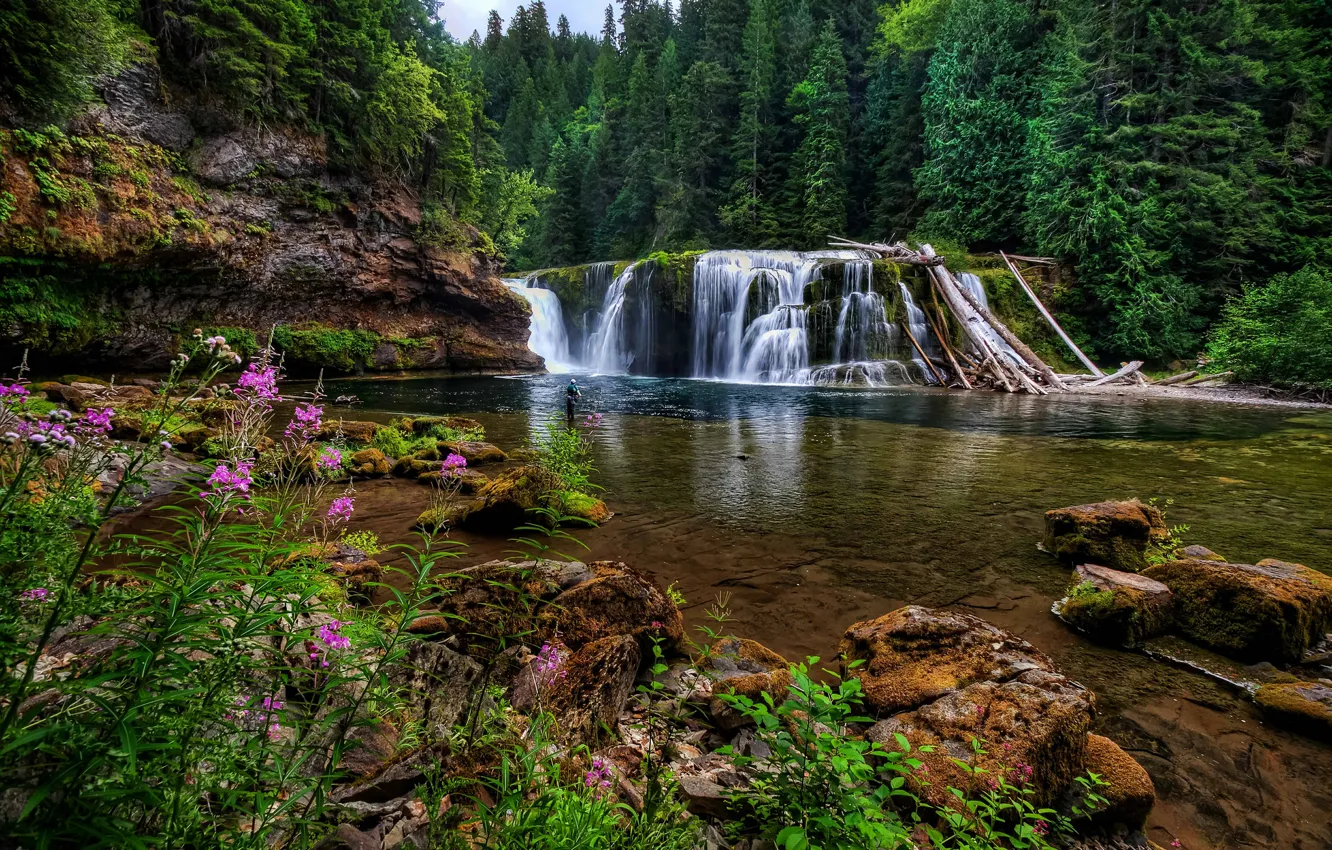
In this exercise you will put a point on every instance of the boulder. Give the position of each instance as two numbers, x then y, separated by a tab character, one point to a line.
509	500
1307	706
596	684
1130	794
438	683
584	507
477	453
704	797
370	463
413	466
468	482
356	570
745	668
1118	608
1115	534
915	655
423	424
1269	611
348	837
1197	553
617	600
1033	730
350	430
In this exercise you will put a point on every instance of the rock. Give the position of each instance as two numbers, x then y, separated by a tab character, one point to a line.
157	479
510	500
438	683
222	160
412	466
1130	794
585	507
393	780
358	576
370	463
1034	730
1269	611
1307	706
746	668
423	424
704	797
348	837
369	747
1115	534
616	600
348	429
598	681
477	454
1122	609
914	655
1197	553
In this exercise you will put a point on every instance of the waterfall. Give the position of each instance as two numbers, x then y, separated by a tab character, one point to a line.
548	336
606	351
920	330
977	291
863	330
731	286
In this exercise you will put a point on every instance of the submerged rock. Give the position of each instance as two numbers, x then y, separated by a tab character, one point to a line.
914	655
1033	730
1115	607
747	668
1306	706
1271	611
1115	534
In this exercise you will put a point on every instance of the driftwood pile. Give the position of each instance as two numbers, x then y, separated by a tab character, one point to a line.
994	357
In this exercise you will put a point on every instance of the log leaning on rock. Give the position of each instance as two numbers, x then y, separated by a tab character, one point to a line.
1129	369
1177	379
1014	341
1086	361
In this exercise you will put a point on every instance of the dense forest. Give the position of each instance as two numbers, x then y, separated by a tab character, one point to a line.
1172	154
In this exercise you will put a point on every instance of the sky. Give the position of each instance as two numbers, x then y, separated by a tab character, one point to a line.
461	17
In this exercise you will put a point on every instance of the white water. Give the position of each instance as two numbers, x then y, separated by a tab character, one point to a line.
547	336
977	291
606	350
920	330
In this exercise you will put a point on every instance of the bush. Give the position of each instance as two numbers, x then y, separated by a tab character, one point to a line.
564	452
392	442
1280	333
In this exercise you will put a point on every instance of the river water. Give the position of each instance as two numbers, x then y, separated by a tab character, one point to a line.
816	507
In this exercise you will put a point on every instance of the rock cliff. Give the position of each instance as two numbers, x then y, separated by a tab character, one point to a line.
153	214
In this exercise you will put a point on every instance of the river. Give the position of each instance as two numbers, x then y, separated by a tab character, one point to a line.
816	507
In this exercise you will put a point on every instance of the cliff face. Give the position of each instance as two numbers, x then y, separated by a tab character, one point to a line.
148	219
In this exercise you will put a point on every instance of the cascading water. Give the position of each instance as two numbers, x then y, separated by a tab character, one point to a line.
863	331
730	286
606	351
548	336
973	286
920	331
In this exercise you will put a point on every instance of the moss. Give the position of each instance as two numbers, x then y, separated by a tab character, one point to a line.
1120	617
1305	705
1112	534
583	506
1129	793
321	346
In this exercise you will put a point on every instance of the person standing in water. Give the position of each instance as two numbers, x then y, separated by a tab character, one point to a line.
571	396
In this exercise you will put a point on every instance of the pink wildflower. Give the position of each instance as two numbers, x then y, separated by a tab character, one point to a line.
599	776
341	509
224	482
305	423
1042	827
331	640
548	660
330	459
453	466
1176	844
13	395
35	594
260	384
96	421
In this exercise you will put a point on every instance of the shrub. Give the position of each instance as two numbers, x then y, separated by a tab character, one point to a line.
564	452
392	442
1280	333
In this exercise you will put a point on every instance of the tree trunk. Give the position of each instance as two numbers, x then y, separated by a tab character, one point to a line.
1086	361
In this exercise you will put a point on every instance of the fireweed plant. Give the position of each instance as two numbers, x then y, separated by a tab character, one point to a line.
212	703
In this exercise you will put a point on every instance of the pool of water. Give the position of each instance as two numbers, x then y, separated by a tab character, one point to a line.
816	507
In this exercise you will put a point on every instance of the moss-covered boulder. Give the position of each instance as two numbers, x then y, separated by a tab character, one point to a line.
1118	608
744	668
424	424
1269	611
1034	729
597	683
584	507
370	463
477	453
467	482
351	430
412	466
915	655
1130	794
617	600
1195	552
1114	534
510	500
1306	706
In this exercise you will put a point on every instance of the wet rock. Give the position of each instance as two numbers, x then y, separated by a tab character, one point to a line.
914	655
349	429
1130	794
477	454
594	687
1197	553
370	463
1115	534
509	500
616	600
468	481
413	466
438	682
1272	610
1034	730
584	507
745	668
1306	706
1122	609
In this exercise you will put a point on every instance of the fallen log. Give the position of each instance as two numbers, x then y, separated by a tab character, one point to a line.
923	356
898	253
1086	361
948	349
1013	341
1177	379
1204	379
1128	369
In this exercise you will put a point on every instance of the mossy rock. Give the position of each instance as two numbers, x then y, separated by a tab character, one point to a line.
1117	608
370	463
353	431
1112	534
1269	611
914	655
584	507
511	500
617	600
439	519
468	482
84	379
193	438
597	684
413	467
1195	552
423	424
743	668
1130	794
476	453
1305	706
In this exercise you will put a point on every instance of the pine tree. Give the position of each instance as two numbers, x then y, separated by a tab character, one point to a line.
749	217
819	168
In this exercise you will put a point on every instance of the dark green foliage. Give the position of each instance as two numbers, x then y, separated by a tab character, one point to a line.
50	49
340	350
823	114
1280	333
51	308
